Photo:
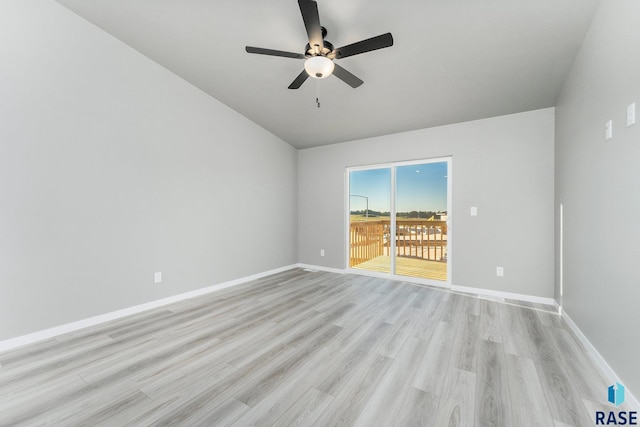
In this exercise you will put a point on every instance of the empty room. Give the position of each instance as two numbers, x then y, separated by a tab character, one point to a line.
319	213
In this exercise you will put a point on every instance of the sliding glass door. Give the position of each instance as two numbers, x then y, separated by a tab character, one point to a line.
398	219
369	219
421	220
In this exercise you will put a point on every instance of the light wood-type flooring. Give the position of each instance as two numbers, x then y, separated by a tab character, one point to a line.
310	349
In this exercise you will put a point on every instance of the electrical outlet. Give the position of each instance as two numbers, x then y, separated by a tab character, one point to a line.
608	130
631	114
500	271
157	277
321	252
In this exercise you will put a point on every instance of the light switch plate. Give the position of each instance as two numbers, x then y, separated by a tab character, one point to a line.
474	211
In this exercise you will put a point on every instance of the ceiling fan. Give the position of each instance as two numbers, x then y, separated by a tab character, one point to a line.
320	54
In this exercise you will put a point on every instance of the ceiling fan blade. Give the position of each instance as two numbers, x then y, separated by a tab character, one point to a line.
311	18
299	80
346	76
272	52
374	43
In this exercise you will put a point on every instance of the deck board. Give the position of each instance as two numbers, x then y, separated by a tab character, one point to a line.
412	267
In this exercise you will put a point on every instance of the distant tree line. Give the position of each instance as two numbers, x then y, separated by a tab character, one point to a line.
417	214
412	214
371	213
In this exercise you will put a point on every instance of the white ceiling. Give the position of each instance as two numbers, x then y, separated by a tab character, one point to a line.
452	60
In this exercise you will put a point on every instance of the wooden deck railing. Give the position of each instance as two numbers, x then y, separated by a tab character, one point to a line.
415	238
367	240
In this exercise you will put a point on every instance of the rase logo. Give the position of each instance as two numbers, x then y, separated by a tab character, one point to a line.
615	395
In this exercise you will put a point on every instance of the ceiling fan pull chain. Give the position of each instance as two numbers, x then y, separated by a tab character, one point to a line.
318	93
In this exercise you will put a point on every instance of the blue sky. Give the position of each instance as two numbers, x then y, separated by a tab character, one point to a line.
419	188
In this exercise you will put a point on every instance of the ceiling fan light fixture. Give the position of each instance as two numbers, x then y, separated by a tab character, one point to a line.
319	67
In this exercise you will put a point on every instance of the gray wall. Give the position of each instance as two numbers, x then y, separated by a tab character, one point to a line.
598	184
112	168
503	165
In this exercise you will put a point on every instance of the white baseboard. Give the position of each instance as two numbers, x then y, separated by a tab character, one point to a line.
96	320
321	268
600	362
453	288
507	295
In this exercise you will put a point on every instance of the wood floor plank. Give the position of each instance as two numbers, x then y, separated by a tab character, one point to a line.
319	328
280	373
113	326
223	413
215	393
52	366
418	410
391	346
587	381
186	380
431	316
352	398
432	369
112	413
489	321
22	408
515	336
457	404
456	306
356	355
563	400
386	401
306	410
120	379
493	404
467	341
278	402
529	405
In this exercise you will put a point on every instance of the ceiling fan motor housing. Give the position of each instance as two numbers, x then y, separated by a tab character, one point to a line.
327	50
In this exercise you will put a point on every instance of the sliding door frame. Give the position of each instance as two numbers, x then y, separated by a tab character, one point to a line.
347	223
